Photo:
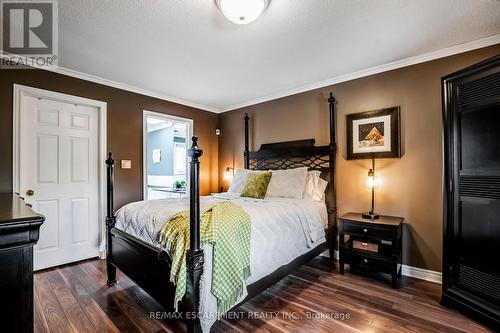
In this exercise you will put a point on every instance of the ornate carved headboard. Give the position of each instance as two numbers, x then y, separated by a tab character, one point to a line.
296	154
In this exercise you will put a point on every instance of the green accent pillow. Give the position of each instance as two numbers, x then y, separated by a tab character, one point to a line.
256	185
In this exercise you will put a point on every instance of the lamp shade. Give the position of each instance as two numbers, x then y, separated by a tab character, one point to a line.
371	181
242	11
228	174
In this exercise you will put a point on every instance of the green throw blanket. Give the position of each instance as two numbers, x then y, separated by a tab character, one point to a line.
226	227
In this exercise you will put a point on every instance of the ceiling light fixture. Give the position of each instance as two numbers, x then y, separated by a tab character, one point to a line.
242	11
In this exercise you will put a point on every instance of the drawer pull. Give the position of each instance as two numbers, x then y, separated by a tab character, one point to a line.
365	230
365	260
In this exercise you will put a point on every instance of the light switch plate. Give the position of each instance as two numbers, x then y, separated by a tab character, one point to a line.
126	164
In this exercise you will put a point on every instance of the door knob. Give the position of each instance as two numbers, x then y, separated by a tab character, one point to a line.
30	192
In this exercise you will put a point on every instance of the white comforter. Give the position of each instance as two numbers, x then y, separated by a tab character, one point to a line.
282	229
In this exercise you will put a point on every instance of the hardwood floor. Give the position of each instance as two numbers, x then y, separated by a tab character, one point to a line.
75	298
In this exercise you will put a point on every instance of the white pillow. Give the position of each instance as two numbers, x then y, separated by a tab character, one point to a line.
311	184
315	186
239	180
288	183
319	194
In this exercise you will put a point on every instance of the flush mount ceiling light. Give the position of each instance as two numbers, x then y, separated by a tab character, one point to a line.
242	11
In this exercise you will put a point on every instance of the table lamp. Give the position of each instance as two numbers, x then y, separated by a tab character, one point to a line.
228	174
372	182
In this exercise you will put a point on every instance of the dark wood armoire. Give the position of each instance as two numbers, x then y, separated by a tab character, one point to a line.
471	253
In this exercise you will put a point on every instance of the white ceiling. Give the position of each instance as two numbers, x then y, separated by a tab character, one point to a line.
186	51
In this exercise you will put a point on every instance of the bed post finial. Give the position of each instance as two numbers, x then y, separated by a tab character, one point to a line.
246	153
194	258
110	220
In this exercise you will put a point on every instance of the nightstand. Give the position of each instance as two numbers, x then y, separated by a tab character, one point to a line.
374	245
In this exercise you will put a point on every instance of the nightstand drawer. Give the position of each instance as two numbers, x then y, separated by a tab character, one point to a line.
370	261
357	228
365	246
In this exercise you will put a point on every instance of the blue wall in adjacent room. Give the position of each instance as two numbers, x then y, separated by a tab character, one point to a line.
161	139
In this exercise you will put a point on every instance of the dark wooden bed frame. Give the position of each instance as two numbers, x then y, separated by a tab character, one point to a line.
149	266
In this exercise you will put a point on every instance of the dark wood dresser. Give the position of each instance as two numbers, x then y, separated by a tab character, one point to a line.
19	230
374	245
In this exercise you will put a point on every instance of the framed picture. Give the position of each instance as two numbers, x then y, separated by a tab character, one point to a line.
374	134
156	156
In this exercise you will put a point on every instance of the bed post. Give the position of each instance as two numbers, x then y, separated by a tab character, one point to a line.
332	209
110	220
194	256
331	102
246	154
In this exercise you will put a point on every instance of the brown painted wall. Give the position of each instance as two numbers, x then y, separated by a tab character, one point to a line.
411	186
124	127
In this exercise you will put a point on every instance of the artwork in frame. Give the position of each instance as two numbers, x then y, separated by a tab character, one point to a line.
374	134
156	156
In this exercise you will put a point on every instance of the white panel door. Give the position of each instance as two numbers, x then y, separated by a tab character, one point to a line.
59	164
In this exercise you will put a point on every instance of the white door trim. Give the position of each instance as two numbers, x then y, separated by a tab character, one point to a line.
20	91
189	134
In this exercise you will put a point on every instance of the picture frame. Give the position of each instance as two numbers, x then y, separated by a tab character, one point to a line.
374	134
156	156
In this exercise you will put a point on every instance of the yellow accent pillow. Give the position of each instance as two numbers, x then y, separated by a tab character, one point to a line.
256	185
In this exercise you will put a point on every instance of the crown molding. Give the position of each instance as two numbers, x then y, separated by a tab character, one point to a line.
123	86
446	52
118	85
449	51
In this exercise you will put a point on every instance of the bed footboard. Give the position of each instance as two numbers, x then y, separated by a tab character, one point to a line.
146	265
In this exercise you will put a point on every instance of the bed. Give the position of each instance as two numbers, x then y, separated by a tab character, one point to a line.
300	229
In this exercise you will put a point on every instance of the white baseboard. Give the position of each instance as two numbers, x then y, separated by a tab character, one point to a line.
410	271
422	274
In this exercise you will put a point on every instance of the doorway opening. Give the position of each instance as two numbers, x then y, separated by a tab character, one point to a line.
166	140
